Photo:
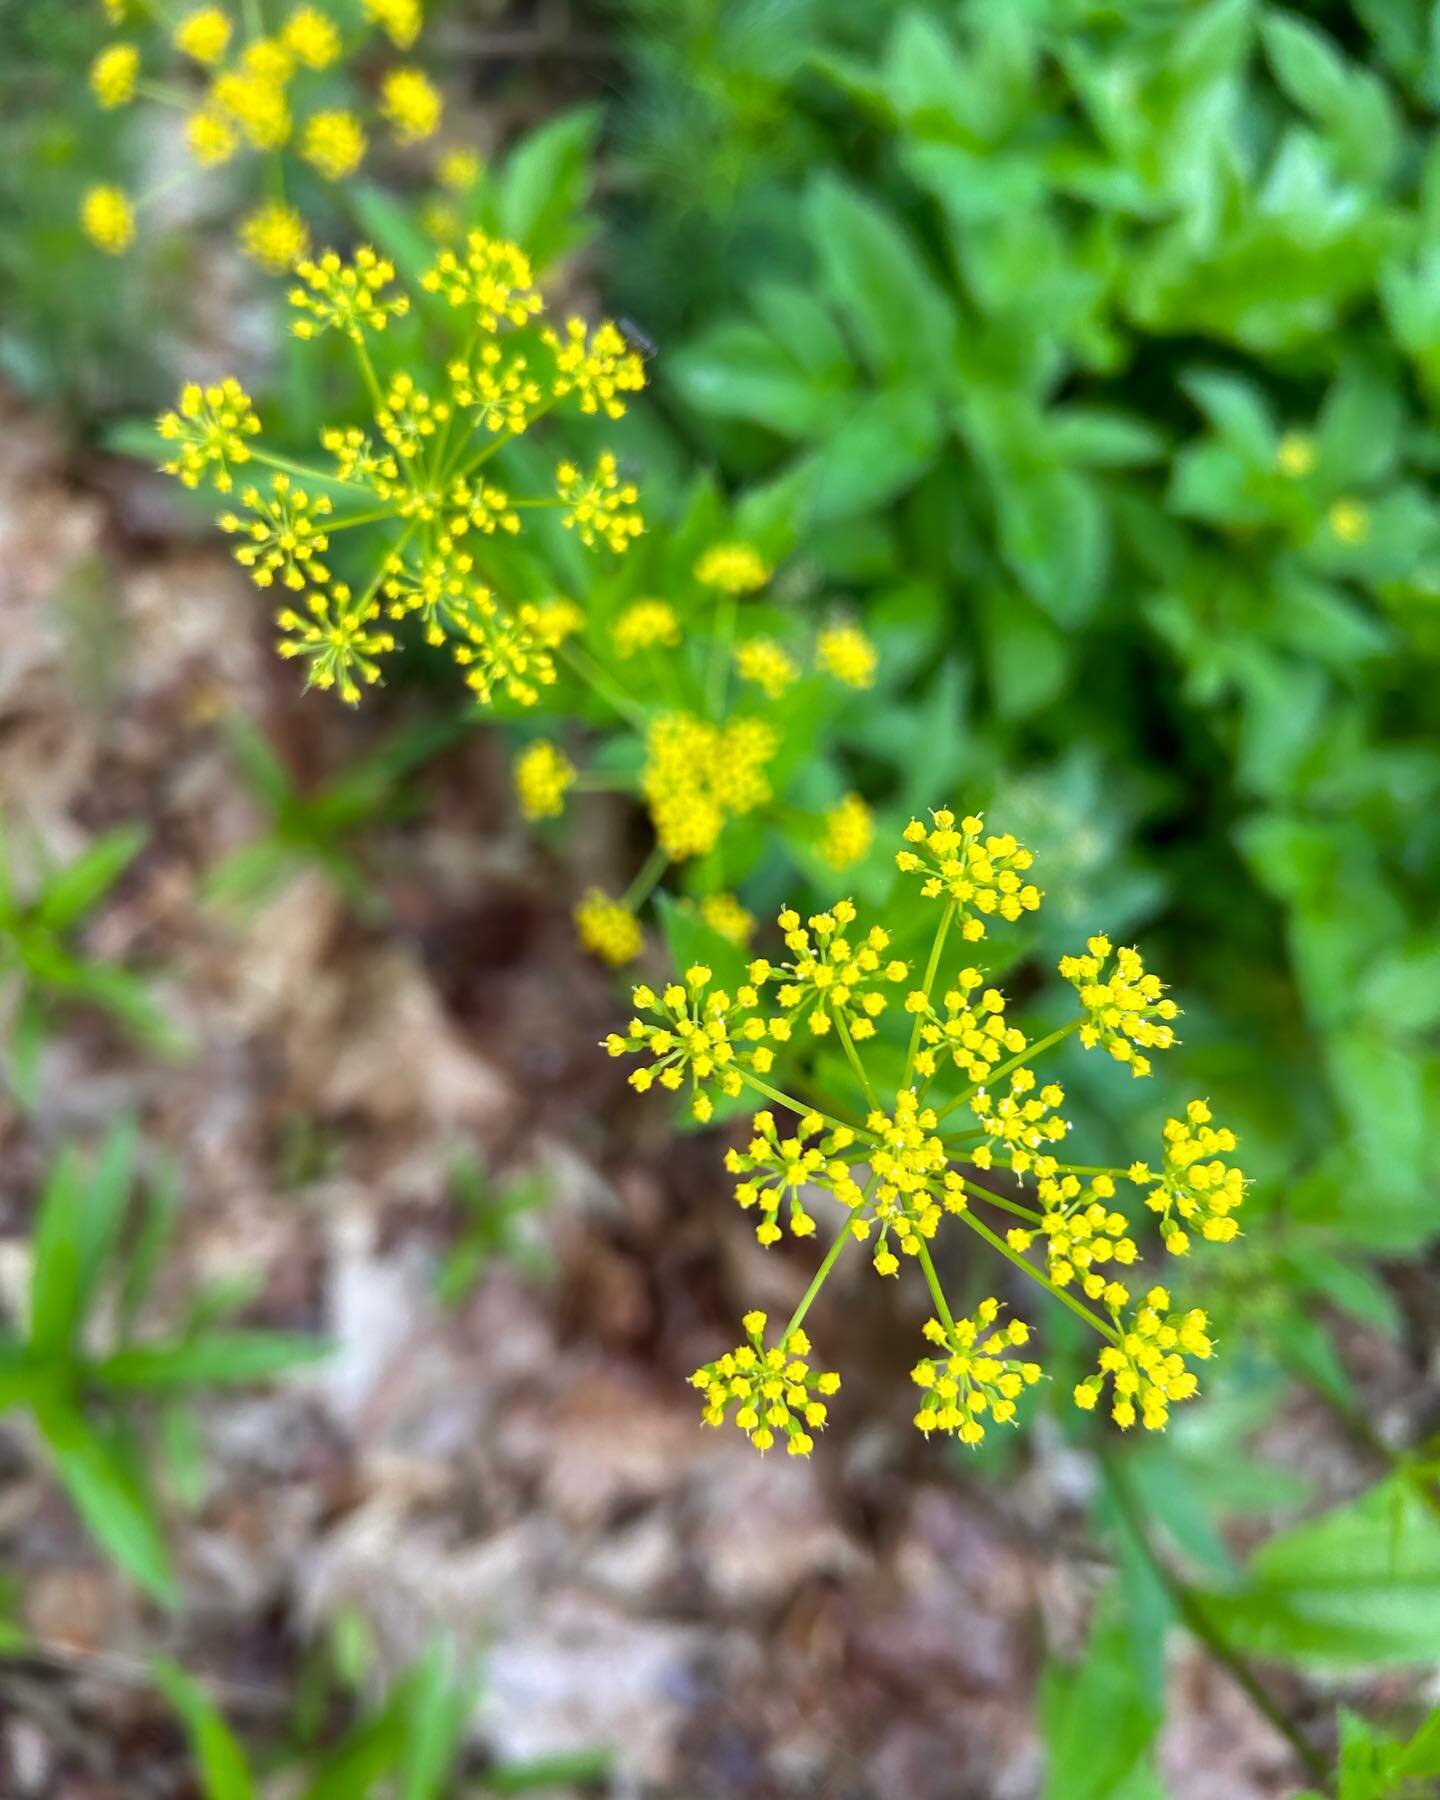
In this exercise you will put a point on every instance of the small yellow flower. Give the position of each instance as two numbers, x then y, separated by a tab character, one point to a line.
498	387
334	143
1295	455
458	170
849	832
832	975
108	219
411	104
311	37
256	105
337	636
268	59
597	365
771	1393
210	137
543	776
975	1377
599	508
275	236
493	276
286	535
1195	1187
203	36
113	75
697	774
785	1171
608	928
346	296
398	19
979	875
643	625
725	914
210	427
845	652
767	664
733	568
556	620
1146	1363
1350	522
1122	1004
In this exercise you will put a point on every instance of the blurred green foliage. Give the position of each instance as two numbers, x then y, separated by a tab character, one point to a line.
88	1399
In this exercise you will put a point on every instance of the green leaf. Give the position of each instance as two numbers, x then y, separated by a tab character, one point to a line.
56	1259
106	1496
738	371
884	446
71	894
224	1771
1026	657
901	320
437	1703
208	1359
1358	1587
692	941
545	182
1056	539
1099	1723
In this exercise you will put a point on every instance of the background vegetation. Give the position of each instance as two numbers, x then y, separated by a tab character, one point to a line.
1086	353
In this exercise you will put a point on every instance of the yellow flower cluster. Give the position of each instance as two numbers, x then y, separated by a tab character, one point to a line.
845	652
830	977
599	508
901	1173
702	1037
1146	1368
1019	1124
245	89
697	775
907	1157
733	568
978	875
421	493
543	777
210	429
597	365
782	1168
286	533
725	914
1195	1187
771	1392
975	1375
608	928
767	664
847	832
1083	1233
646	625
973	1033
1126	1007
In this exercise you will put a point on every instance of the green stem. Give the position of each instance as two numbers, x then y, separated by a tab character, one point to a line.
593	676
383	512
717	678
1010	1206
932	1281
651	870
931	969
855	1062
796	1106
1088	1169
1198	1622
287	467
807	1299
1021	1056
1078	1307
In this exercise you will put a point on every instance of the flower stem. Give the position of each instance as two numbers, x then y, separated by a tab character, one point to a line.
1199	1623
287	467
931	969
593	676
796	1106
1076	1306
932	1281
640	888
855	1062
1014	1062
1010	1206
719	670
807	1299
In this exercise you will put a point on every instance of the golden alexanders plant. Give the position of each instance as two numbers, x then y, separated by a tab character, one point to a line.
281	88
899	1162
415	495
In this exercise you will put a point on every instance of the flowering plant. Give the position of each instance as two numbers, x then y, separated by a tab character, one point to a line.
289	89
898	1157
422	499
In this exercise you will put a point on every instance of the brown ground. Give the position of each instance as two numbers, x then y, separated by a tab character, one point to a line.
526	1468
